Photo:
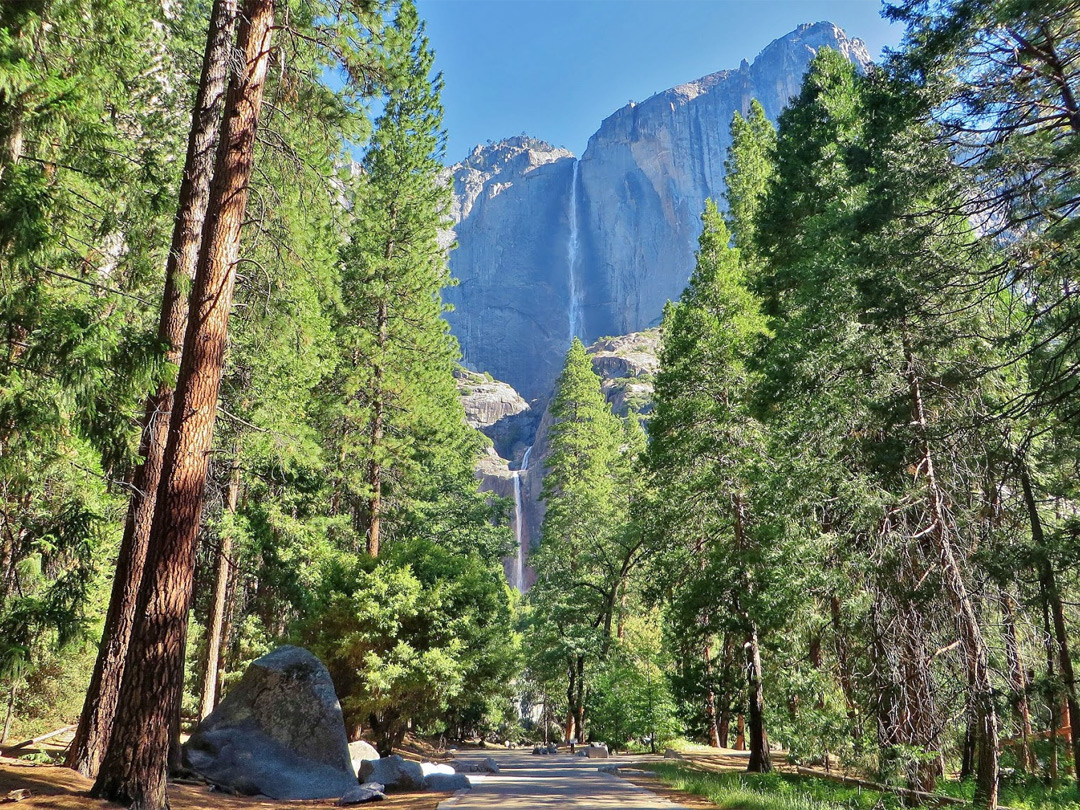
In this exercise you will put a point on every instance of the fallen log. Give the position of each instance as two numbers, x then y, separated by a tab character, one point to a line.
7	750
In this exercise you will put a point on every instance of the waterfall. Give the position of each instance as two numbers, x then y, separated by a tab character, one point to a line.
574	309
518	578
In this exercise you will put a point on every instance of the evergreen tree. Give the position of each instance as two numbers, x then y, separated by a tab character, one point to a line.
587	548
395	401
705	445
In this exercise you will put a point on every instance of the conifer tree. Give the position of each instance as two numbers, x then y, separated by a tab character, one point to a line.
395	404
865	369
705	441
582	560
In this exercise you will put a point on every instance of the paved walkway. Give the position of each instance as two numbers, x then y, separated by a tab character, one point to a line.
527	782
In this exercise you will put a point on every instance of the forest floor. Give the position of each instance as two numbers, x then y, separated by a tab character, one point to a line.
54	788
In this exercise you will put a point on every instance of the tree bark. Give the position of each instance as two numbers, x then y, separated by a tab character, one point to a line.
222	566
135	764
91	737
1051	596
1018	679
843	667
710	700
975	652
760	761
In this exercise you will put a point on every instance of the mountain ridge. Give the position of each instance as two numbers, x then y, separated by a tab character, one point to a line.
551	245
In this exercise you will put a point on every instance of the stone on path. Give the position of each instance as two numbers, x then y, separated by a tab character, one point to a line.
446	783
368	792
436	767
396	772
486	765
279	733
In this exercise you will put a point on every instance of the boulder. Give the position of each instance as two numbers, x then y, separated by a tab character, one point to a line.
671	753
537	750
369	792
279	733
359	751
486	765
447	783
597	751
435	767
396	772
553	749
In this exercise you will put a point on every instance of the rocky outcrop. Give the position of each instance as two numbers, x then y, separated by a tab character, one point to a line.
278	733
496	410
549	246
627	365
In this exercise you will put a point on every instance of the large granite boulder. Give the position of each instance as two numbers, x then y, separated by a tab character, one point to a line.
278	733
395	772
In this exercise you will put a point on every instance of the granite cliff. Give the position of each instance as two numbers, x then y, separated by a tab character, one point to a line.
550	246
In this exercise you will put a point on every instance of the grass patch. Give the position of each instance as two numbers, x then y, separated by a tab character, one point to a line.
1018	792
780	791
770	791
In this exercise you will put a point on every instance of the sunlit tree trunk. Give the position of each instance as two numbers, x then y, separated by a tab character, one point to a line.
135	764
95	722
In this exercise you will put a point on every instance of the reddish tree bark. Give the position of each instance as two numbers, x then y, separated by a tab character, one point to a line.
135	765
95	722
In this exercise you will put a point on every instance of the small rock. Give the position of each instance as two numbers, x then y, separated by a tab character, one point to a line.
671	753
359	795
537	750
553	749
359	751
608	769
447	783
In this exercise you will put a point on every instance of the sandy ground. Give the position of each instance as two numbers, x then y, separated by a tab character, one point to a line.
53	788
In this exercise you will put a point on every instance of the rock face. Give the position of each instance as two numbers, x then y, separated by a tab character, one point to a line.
549	246
496	410
279	732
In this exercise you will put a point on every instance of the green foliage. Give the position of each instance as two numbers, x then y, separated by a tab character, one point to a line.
423	634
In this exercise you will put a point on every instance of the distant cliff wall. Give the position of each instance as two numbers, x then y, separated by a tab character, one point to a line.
549	246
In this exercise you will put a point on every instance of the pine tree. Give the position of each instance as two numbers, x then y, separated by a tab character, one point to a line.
135	764
585	552
395	402
703	440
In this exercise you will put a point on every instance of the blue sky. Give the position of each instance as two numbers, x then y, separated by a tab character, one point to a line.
555	68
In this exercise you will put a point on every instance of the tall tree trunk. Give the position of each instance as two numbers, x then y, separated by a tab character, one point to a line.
723	727
760	761
710	700
378	416
222	566
580	699
571	692
134	768
843	667
1018	680
975	653
1051	596
91	737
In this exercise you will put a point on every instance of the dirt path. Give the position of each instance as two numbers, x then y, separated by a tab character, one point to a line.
53	788
527	782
